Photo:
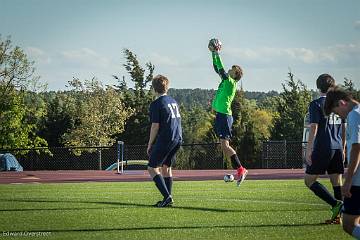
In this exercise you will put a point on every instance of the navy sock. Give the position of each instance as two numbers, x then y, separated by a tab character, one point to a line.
235	162
337	193
168	183
160	184
323	193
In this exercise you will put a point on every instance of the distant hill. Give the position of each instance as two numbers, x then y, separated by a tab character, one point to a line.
203	97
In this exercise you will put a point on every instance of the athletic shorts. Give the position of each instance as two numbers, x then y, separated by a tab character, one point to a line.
331	162
223	124
163	154
352	205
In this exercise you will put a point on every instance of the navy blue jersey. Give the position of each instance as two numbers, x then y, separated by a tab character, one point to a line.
329	133
165	111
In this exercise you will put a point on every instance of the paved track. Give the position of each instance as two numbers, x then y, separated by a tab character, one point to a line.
131	176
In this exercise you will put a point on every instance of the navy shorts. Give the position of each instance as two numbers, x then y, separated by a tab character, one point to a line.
352	205
223	124
331	162
163	154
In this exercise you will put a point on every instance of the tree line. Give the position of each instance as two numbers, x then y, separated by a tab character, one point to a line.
89	113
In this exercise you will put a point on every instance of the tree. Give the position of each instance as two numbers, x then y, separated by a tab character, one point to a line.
20	108
251	127
291	106
101	115
350	87
60	117
196	122
137	126
16	70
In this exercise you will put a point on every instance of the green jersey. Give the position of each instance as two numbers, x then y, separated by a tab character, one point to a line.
226	90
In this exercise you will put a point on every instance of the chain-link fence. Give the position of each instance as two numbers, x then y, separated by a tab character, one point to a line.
275	154
62	158
283	154
190	156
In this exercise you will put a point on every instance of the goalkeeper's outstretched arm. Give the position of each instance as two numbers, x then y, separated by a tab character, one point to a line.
218	66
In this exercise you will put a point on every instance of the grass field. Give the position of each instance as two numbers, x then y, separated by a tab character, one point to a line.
259	209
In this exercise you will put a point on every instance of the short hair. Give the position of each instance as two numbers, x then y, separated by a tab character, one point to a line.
160	84
238	72
324	82
333	96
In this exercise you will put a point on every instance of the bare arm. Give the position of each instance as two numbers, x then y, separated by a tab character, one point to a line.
310	143
153	133
352	168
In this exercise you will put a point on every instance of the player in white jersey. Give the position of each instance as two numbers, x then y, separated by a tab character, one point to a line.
342	103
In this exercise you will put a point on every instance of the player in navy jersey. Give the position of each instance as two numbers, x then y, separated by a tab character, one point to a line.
325	149
165	139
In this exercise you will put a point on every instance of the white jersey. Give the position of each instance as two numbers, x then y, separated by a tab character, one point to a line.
353	136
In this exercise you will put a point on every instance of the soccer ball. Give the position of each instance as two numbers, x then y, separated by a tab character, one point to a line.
229	178
214	45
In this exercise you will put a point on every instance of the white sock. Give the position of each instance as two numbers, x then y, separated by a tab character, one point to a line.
356	231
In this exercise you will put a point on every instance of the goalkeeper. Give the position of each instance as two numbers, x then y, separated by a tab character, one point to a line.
222	106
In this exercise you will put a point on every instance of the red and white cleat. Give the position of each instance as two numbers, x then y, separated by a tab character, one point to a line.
241	175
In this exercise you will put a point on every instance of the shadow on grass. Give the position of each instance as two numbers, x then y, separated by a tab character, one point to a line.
157	228
53	209
127	204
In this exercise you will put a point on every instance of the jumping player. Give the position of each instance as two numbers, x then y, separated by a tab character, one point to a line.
166	129
325	149
341	103
222	106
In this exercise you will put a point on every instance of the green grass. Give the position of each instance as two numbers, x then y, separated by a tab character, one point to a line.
203	210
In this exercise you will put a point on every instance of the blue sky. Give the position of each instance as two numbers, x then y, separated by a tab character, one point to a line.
78	38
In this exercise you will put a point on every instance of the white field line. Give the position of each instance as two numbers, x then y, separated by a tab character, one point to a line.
253	200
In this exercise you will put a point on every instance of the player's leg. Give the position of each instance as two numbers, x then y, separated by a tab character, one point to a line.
335	171
351	213
320	190
319	165
235	162
230	153
159	181
351	224
167	174
336	182
155	161
168	162
223	125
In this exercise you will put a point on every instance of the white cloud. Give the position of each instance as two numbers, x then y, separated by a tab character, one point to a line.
338	54
158	59
38	55
85	57
78	54
302	54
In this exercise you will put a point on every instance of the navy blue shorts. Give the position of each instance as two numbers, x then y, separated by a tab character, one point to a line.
163	154
223	124
352	205
331	162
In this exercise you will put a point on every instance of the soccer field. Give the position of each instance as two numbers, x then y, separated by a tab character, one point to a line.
259	209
